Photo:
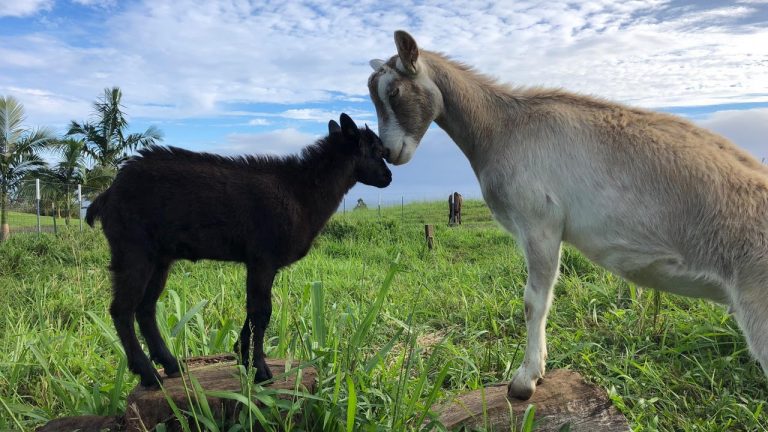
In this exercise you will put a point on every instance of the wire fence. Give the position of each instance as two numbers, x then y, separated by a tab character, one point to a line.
37	206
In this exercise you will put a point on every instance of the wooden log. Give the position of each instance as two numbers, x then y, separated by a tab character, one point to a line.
429	235
83	424
563	397
145	408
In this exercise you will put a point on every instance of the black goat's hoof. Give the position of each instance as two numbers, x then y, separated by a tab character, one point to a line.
151	381
262	373
174	370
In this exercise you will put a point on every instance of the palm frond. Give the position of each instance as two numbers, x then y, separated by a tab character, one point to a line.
11	118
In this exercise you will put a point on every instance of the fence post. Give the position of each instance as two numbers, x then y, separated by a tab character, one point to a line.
37	201
379	205
80	205
402	208
53	210
429	235
345	204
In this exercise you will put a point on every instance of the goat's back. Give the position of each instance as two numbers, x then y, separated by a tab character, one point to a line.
191	205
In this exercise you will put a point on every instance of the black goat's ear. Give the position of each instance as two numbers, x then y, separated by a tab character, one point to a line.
333	127
348	127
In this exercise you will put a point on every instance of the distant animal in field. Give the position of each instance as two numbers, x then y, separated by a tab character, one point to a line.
169	204
361	205
455	202
649	196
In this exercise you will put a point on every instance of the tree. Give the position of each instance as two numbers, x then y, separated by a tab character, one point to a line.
19	153
105	138
60	181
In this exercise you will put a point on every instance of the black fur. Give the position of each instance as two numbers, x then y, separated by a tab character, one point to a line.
264	211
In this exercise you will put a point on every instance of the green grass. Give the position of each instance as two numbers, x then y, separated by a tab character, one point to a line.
29	220
387	339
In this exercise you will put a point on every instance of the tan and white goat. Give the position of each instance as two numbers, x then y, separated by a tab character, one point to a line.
649	196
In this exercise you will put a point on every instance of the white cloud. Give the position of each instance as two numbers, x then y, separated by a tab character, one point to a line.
279	141
746	128
21	8
48	107
313	114
321	116
193	58
98	3
259	122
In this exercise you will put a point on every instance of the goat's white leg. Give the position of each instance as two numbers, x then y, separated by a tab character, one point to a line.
542	253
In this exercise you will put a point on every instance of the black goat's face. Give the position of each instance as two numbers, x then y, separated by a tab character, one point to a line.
368	151
371	167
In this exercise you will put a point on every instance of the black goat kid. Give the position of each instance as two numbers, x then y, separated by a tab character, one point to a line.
264	211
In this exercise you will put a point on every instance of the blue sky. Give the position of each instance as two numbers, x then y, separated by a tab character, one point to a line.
238	76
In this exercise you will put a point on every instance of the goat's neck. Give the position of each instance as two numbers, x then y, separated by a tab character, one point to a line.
324	186
473	109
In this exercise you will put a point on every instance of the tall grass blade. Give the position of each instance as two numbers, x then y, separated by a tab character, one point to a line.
382	353
351	404
117	389
362	331
187	316
528	416
319	330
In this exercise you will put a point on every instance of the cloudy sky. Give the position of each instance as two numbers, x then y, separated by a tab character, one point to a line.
239	76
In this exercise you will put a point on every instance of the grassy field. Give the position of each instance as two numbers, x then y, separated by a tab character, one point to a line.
447	321
29	220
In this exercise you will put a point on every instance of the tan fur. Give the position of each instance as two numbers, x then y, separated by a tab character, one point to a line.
650	196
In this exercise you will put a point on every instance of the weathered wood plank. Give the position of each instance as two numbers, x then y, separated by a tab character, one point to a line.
146	407
563	397
83	424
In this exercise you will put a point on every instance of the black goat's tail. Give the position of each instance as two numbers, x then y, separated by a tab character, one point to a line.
94	210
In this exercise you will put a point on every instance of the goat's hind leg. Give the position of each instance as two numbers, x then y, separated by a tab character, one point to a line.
259	311
147	319
129	281
750	307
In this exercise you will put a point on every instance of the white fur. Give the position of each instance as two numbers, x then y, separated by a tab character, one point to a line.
395	138
391	133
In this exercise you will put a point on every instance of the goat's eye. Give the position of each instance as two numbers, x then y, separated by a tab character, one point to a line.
394	92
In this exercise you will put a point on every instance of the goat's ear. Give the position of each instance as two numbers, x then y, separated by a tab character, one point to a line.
376	64
333	127
408	52
348	127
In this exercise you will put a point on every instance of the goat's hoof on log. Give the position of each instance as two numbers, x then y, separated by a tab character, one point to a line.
219	373
520	387
564	398
151	380
173	374
175	370
262	373
520	394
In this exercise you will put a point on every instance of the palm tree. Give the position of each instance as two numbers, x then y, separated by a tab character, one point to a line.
60	181
105	138
19	153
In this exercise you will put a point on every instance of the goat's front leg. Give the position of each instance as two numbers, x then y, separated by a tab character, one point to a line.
542	253
258	313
